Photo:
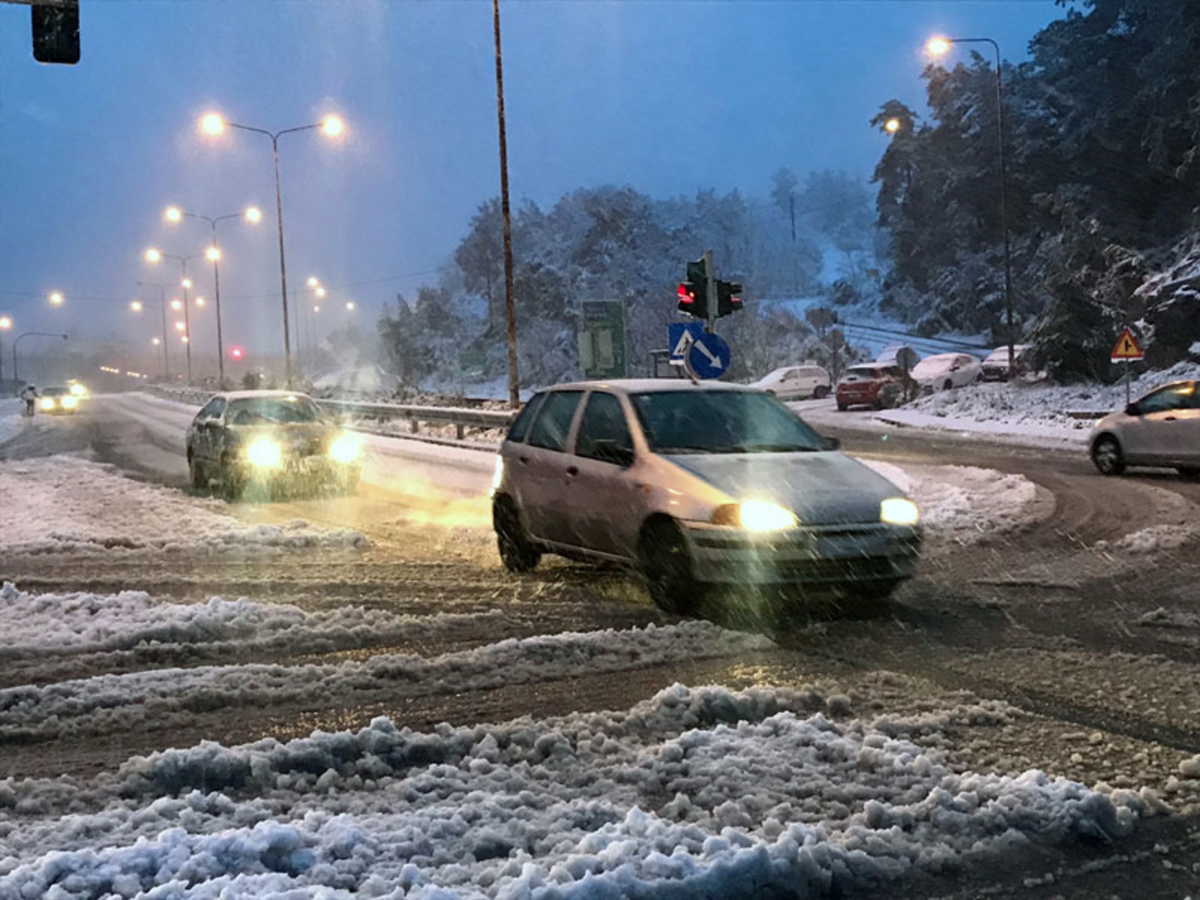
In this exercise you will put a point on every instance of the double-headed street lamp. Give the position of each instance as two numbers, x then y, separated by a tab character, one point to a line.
22	337
937	47
154	256
252	215
214	124
6	324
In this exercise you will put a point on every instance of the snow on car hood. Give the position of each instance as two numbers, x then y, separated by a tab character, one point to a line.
821	488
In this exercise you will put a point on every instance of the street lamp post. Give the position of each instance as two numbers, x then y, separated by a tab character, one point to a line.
22	337
514	396
6	323
214	124
252	215
162	305
154	255
940	46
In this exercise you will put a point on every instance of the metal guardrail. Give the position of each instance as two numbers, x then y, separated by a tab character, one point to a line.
459	417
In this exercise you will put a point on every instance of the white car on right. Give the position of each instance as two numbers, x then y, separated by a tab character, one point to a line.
1159	429
797	382
946	371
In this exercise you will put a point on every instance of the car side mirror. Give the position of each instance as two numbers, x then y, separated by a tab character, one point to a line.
1132	410
832	443
612	452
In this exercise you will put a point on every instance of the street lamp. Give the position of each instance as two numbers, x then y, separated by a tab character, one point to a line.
135	305
892	125
350	305
200	302
162	308
55	298
214	124
938	46
154	255
251	215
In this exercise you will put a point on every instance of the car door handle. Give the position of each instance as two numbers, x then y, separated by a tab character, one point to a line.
572	471
1169	419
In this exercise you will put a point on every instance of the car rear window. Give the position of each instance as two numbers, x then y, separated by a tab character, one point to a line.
721	422
553	420
864	372
520	426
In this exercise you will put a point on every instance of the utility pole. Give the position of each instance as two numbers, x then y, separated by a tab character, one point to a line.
710	291
514	391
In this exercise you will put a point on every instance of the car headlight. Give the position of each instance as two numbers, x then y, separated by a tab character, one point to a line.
70	402
899	511
346	448
264	453
78	390
46	403
756	515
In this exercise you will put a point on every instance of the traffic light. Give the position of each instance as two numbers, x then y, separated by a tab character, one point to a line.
693	293
55	31
728	298
236	353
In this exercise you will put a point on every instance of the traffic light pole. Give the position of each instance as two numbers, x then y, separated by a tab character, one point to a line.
710	290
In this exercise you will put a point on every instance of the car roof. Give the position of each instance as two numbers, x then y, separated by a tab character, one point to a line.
937	357
245	395
652	385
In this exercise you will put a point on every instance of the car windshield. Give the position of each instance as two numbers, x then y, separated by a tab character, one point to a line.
859	372
54	392
721	422
272	410
933	364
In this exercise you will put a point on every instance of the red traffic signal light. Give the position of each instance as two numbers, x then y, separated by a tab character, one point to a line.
236	352
686	292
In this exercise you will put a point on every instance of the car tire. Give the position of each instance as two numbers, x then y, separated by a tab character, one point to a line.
667	568
232	484
1107	456
947	385
820	392
197	475
1192	473
517	552
841	406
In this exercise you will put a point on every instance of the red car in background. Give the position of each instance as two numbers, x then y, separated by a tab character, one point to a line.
872	384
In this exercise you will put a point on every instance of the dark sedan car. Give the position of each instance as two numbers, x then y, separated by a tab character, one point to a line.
269	440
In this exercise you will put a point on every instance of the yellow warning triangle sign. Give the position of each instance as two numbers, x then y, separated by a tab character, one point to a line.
1127	347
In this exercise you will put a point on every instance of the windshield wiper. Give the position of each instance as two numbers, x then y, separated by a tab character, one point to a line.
765	448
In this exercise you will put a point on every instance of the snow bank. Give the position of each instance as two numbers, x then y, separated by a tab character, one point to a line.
695	792
366	379
111	703
11	421
63	504
1152	539
965	504
41	625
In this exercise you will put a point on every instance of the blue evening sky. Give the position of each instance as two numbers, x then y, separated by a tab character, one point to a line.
667	97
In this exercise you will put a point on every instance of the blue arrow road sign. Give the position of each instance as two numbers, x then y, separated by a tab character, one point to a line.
709	356
680	336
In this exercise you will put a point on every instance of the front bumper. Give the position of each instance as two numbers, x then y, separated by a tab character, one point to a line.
993	373
831	555
299	470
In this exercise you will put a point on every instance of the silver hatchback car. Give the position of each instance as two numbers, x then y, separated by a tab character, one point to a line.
694	484
1160	429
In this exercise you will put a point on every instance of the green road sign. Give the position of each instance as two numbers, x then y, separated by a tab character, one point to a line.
602	349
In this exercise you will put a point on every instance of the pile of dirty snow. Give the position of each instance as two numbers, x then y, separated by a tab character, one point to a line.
700	792
61	504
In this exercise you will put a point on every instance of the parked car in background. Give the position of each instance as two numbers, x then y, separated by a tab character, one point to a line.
945	371
872	384
995	367
796	382
1160	429
696	484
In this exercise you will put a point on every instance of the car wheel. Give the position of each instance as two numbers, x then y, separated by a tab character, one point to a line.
820	392
667	568
233	485
1190	472
841	406
1107	456
198	476
947	385
517	552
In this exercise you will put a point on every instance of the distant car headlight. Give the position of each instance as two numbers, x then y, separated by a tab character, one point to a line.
70	402
899	511
264	453
46	403
346	448
78	390
756	515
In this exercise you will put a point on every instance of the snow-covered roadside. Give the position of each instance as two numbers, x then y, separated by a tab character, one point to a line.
694	792
1021	414
165	698
63	504
37	626
11	421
